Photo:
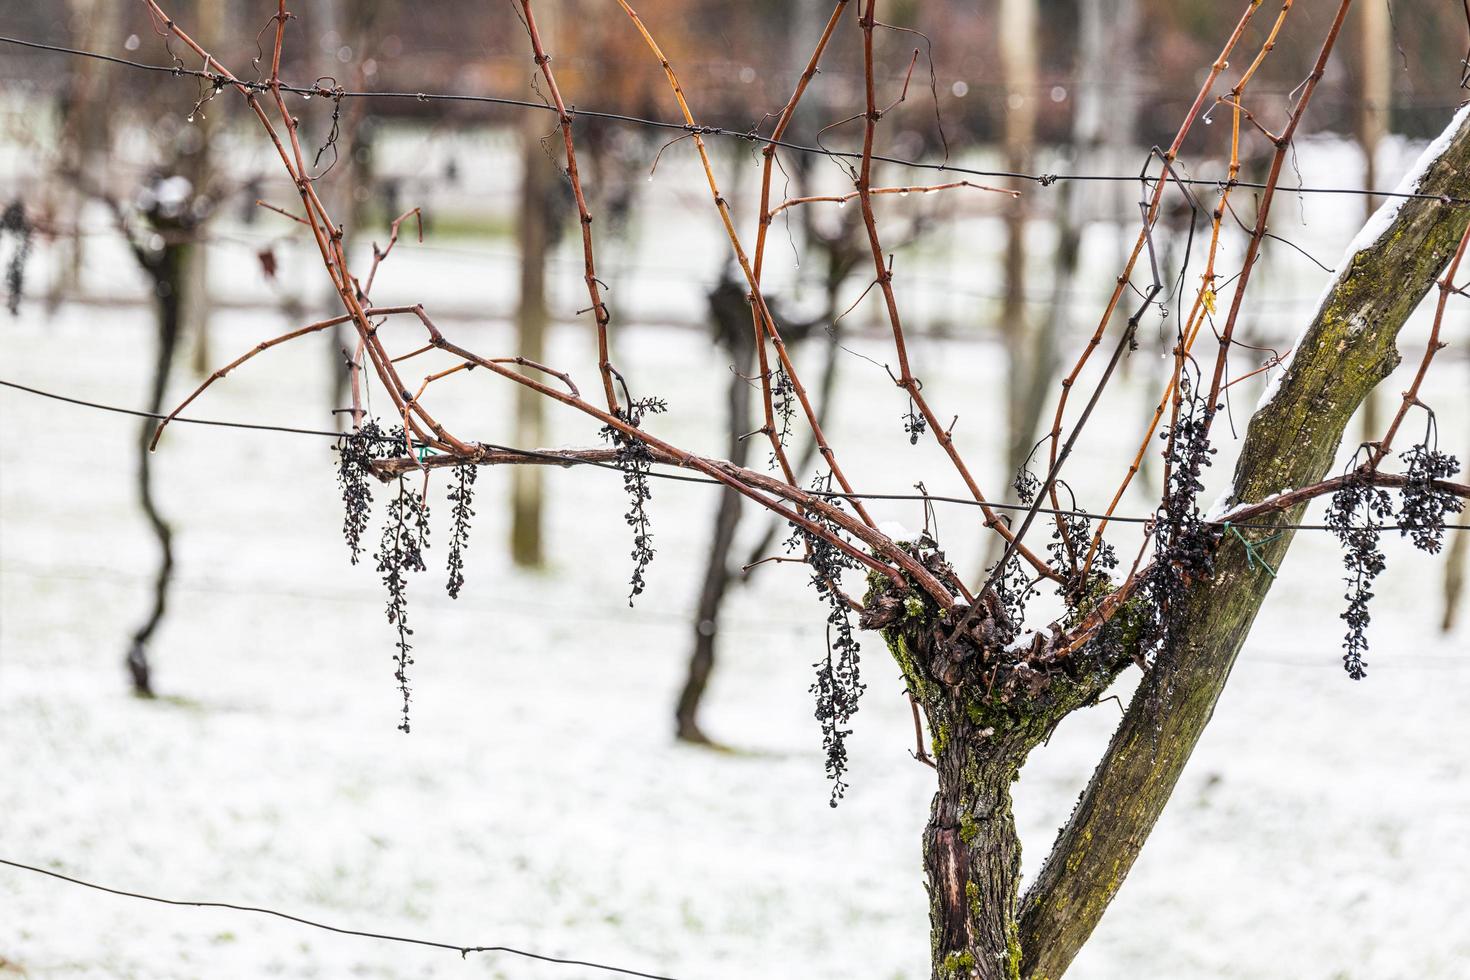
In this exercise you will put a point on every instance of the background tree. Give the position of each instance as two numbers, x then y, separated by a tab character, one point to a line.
172	211
730	319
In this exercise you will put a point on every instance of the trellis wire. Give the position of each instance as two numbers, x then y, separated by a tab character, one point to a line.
464	951
786	499
589	613
749	136
569	461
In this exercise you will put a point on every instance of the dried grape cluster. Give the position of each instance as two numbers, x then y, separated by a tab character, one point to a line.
13	222
1066	553
355	453
1182	530
1026	485
1422	516
635	460
1183	541
401	551
838	686
1074	536
1068	539
1356	515
783	401
1014	588
914	424
462	496
405	535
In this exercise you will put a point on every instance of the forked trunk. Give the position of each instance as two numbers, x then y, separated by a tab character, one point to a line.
988	702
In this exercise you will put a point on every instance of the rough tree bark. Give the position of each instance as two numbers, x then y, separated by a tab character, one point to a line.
985	716
987	709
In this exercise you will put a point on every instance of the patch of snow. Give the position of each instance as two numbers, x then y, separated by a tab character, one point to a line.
1224	513
1221	506
895	531
1021	642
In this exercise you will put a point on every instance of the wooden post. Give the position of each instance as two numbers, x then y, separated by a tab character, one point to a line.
1019	67
534	234
1375	99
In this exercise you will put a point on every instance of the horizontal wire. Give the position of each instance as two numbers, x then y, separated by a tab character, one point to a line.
565	461
751	136
250	238
155	415
589	613
463	951
776	625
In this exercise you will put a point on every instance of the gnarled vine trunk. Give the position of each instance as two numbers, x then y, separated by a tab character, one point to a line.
988	705
972	857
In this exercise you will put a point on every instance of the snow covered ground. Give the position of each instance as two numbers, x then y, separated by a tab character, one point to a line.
1319	832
